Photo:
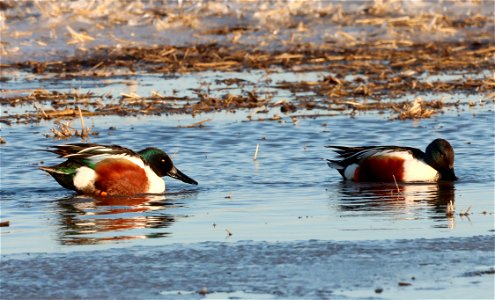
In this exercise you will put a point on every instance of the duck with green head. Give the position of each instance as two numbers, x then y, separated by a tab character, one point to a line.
113	170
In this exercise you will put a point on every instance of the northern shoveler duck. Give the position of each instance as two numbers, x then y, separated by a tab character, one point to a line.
113	170
393	163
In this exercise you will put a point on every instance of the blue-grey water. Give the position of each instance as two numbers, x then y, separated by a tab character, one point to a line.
287	194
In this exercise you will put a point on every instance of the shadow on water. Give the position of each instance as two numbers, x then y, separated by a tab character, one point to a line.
87	220
391	197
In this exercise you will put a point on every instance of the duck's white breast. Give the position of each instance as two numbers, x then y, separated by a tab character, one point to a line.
156	183
417	170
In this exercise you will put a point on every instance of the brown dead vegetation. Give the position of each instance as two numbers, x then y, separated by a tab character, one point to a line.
396	57
376	59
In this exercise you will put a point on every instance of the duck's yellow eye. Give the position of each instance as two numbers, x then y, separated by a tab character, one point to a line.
163	160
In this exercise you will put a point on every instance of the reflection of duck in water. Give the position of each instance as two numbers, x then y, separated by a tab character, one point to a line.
113	170
87	220
404	201
393	163
388	196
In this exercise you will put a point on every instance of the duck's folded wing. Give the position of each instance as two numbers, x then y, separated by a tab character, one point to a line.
343	151
355	155
91	154
86	150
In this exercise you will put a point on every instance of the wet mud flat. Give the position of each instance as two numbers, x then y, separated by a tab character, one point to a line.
434	268
366	56
363	77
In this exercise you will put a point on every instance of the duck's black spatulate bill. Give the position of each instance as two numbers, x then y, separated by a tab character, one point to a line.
177	174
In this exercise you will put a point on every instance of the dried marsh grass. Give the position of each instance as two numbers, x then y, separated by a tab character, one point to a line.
370	54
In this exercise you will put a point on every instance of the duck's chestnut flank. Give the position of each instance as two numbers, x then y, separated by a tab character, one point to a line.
117	176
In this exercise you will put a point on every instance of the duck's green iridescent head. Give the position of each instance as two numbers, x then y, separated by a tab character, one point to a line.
162	165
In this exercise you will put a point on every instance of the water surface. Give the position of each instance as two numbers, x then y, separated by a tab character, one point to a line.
287	194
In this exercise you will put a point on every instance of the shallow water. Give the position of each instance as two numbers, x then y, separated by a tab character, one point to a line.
287	194
286	199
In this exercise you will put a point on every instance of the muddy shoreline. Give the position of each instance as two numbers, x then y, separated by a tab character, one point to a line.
314	269
369	57
363	78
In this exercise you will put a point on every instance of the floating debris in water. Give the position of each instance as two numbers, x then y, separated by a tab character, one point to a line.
78	37
417	110
64	130
465	213
199	124
402	283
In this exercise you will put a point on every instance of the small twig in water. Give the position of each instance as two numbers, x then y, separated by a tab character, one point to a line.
465	213
199	124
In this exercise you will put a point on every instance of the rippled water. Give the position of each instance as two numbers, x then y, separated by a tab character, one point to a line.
296	213
287	194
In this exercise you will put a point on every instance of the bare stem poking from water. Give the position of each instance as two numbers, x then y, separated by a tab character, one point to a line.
256	152
450	209
396	185
84	130
40	109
